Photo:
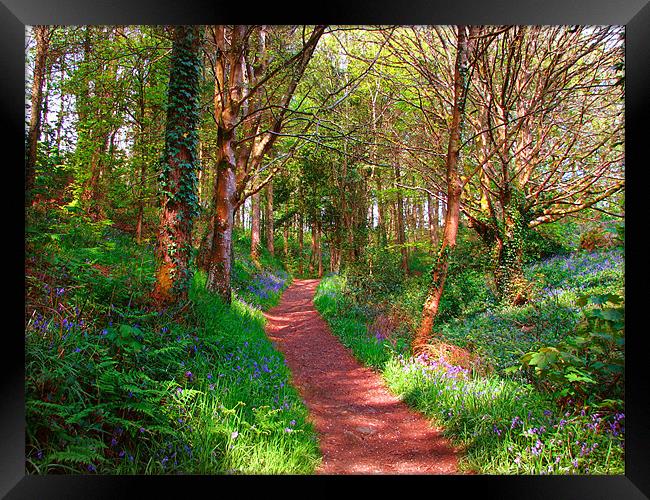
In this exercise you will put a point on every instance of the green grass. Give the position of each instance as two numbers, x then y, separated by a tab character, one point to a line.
116	387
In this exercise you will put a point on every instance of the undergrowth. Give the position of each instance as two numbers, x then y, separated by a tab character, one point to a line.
115	386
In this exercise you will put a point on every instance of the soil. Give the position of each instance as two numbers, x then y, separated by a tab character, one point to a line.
362	427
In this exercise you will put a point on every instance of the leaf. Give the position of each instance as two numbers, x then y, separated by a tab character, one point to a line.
544	357
575	375
612	314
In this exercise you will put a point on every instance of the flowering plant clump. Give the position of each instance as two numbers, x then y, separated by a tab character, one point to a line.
524	431
578	273
263	289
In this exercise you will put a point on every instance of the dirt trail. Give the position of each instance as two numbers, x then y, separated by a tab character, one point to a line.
362	427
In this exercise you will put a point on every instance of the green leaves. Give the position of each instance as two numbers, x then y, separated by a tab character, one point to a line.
593	356
542	359
125	337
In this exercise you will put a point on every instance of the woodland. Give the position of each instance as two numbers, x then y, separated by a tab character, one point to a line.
458	191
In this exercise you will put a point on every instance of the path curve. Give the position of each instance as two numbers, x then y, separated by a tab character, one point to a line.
362	427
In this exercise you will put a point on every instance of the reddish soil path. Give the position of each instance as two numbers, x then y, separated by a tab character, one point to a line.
362	427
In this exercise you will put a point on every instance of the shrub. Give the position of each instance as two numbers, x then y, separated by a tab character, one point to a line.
588	366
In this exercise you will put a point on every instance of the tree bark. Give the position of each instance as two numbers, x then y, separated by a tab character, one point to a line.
301	245
399	225
255	228
320	251
285	241
433	208
220	266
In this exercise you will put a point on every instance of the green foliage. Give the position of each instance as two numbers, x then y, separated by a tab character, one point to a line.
548	240
261	284
587	366
375	279
600	237
505	427
371	348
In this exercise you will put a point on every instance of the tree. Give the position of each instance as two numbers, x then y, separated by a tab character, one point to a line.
548	136
454	189
178	177
251	105
42	34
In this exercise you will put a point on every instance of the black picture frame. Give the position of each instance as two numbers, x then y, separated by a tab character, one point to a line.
634	14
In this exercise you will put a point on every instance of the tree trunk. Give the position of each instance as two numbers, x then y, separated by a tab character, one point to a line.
313	256
180	204
285	241
42	34
399	226
454	191
141	200
269	218
510	281
62	111
381	217
255	228
220	267
433	207
237	218
301	245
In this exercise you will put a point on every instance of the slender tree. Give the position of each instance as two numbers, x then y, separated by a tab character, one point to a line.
269	218
454	190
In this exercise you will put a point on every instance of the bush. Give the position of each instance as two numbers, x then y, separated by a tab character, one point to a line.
588	366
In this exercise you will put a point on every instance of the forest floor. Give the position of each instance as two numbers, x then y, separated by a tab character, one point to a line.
362	427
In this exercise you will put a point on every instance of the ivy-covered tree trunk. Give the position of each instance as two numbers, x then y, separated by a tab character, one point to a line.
454	191
511	284
42	34
178	178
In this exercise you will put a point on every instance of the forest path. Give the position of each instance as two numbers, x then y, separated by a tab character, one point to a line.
362	427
